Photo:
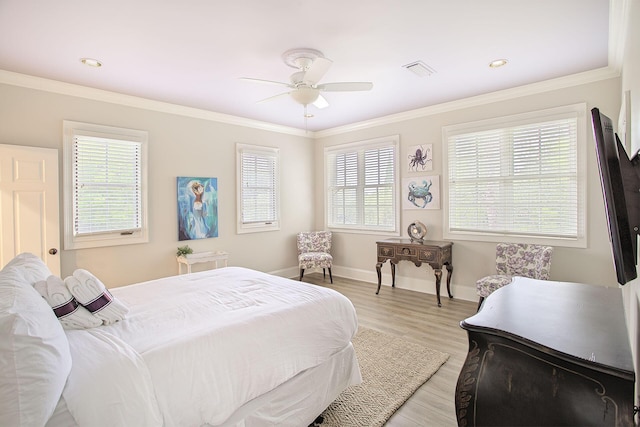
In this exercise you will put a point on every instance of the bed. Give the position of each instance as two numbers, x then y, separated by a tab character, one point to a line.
225	347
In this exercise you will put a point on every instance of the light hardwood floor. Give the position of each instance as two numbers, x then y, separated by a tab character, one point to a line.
416	317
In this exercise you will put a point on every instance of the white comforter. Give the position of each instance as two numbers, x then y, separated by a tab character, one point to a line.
204	344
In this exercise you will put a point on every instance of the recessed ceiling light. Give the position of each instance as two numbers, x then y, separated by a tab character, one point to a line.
497	63
91	62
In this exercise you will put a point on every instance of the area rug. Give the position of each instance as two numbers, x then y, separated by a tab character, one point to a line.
392	370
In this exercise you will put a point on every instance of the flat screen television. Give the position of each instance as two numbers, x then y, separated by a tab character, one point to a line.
620	179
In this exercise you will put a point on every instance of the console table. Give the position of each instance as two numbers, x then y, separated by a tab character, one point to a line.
436	254
547	354
197	258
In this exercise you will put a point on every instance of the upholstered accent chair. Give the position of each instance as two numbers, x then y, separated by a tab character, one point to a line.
516	259
314	251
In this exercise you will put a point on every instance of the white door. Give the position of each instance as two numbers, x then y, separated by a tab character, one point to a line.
29	204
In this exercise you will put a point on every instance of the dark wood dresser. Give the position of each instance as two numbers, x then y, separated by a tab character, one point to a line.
545	353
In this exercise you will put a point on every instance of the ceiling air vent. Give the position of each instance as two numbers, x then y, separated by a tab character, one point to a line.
420	69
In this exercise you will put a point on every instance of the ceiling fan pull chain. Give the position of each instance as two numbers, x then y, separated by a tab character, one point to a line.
306	117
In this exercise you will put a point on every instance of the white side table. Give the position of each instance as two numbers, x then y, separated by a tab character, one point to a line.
196	258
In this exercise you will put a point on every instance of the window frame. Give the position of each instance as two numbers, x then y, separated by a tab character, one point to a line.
578	111
265	225
359	147
72	241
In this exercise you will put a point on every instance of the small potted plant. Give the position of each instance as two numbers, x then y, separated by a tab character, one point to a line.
184	251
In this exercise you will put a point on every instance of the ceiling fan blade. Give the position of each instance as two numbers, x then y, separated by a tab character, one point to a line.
321	102
345	86
318	69
270	82
271	98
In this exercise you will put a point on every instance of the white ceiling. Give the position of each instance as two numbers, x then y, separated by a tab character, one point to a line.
193	52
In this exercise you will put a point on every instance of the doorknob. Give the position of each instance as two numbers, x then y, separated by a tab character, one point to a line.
53	251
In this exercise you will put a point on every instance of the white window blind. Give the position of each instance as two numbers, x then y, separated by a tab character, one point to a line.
362	186
258	192
518	180
105	193
107	185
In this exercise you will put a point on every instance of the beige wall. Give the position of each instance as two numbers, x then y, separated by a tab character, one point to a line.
178	146
183	146
355	255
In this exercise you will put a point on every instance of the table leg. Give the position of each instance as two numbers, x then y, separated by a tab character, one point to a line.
449	273
438	273
379	271
393	274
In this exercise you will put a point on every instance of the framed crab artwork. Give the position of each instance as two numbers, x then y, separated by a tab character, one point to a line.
421	192
420	158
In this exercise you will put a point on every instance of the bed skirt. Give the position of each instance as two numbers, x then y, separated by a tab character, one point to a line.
295	403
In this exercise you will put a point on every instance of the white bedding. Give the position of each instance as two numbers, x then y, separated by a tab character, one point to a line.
207	343
109	382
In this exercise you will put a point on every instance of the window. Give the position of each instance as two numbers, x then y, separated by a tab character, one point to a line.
258	192
104	186
518	177
362	186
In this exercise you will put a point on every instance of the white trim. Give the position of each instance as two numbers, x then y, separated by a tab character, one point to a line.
62	88
71	241
539	115
619	12
475	101
417	284
38	83
383	141
258	227
423	284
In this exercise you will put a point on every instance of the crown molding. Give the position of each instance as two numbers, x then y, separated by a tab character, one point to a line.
498	96
54	86
619	12
62	88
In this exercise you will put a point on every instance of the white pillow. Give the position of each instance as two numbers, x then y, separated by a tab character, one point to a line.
32	267
35	360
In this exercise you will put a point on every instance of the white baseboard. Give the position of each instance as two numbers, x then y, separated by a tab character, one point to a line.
428	286
289	272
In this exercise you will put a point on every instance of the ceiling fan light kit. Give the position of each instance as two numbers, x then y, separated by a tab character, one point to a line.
305	95
304	87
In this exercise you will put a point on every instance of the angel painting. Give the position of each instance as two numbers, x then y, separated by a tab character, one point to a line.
197	208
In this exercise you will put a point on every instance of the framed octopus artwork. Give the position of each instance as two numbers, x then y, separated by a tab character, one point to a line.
420	158
421	192
197	208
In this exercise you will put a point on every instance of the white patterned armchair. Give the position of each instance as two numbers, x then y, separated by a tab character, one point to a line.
516	259
314	251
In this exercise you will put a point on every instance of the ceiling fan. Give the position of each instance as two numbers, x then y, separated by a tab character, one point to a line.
303	87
